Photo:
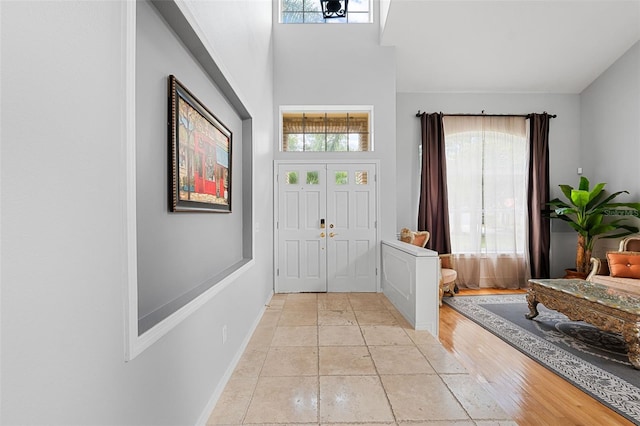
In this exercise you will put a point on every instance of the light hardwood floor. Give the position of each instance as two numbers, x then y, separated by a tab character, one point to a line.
530	393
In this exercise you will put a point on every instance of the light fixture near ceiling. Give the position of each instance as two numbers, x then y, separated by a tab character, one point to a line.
334	8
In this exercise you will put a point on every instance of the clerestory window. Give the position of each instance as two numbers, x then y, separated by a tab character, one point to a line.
310	12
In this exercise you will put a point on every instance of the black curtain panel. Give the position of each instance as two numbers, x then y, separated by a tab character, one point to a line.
433	210
538	195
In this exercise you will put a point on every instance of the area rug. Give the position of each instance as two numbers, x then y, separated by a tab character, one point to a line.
592	360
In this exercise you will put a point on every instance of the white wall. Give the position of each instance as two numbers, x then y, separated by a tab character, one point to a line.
564	142
63	222
342	65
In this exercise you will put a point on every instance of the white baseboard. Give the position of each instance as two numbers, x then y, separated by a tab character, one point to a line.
213	400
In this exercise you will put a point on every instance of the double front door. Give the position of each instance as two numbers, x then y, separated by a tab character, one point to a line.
326	228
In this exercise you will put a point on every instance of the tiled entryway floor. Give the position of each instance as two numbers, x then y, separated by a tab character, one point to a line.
336	358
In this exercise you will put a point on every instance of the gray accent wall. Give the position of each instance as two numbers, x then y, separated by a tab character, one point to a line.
64	252
610	142
610	132
177	251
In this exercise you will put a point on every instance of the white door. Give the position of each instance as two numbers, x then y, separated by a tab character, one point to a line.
302	260
351	223
326	228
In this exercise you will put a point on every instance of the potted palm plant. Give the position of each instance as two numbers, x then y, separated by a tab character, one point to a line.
585	210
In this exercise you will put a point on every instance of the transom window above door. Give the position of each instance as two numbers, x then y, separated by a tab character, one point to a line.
326	130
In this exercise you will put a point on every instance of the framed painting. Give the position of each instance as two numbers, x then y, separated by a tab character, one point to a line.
199	155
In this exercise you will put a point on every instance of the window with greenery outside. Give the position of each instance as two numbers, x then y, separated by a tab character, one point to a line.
325	131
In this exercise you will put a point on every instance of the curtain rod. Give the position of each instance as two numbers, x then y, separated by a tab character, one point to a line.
487	115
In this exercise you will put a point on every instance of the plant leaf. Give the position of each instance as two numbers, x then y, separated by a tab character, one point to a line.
579	197
584	184
566	190
610	197
593	220
622	234
575	226
633	206
596	191
557	202
595	201
563	217
563	211
602	229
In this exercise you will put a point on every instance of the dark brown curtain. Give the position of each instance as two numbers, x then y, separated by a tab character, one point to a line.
433	211
538	197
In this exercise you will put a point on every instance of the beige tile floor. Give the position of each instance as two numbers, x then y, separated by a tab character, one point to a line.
336	358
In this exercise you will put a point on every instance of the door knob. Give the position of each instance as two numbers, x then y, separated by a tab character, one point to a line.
331	234
322	235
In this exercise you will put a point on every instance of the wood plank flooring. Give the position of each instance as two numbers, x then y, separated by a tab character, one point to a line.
530	393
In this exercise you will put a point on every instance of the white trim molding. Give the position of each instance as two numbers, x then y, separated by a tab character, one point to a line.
136	343
131	257
328	109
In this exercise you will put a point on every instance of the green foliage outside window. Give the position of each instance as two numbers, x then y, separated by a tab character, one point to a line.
342	178
312	178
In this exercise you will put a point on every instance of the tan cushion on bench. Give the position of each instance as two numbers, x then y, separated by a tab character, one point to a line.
448	275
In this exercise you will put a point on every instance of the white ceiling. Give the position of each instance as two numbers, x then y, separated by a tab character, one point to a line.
540	46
